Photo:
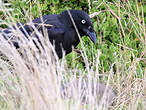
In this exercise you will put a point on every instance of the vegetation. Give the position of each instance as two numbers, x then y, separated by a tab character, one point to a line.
118	58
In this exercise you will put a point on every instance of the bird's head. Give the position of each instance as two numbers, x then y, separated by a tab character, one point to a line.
82	22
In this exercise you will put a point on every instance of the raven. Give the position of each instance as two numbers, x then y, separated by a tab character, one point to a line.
60	29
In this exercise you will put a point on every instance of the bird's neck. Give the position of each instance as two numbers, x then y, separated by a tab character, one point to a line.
65	20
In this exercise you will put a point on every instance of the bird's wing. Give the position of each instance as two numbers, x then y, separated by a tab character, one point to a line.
49	22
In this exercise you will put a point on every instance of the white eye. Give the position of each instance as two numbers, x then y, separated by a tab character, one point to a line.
83	21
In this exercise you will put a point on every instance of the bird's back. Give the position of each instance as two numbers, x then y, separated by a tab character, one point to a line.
48	19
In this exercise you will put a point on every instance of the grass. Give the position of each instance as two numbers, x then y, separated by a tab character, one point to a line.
32	81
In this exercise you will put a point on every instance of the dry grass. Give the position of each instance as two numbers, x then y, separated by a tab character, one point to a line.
32	80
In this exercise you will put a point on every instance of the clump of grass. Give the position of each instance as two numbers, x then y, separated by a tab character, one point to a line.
33	79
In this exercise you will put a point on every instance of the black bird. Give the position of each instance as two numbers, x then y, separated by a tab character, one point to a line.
60	29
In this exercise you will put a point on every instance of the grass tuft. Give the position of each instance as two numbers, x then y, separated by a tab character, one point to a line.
38	80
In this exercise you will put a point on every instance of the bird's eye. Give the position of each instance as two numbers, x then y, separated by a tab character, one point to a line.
83	21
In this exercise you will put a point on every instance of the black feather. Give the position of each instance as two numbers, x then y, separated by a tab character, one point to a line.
60	30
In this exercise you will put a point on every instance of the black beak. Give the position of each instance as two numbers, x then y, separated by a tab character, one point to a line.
91	34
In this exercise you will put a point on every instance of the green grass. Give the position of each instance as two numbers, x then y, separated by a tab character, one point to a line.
118	58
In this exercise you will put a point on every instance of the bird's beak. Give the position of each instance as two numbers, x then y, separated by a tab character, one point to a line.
92	35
